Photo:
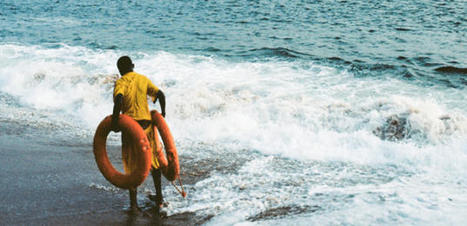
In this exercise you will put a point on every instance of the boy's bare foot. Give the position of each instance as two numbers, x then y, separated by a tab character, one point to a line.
134	210
160	202
163	213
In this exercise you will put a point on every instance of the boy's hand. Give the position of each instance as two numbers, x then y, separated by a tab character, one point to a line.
116	113
114	127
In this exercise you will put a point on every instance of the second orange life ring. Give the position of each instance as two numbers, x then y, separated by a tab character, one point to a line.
170	166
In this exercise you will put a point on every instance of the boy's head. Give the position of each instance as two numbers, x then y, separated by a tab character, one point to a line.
125	65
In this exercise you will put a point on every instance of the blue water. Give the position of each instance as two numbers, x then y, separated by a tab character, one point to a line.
406	39
354	112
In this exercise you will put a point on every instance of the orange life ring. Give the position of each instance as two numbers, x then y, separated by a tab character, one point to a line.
170	166
129	126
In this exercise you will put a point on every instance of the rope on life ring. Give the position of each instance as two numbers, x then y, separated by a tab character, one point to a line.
129	126
170	166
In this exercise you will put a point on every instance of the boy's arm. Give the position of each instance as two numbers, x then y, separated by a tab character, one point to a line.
160	95
116	112
156	93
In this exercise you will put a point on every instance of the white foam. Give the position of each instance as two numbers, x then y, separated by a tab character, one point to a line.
104	187
71	80
332	193
294	109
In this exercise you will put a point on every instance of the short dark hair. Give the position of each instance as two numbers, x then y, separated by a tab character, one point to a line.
124	64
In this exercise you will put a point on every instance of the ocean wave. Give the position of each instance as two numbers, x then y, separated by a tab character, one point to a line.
276	107
418	70
278	52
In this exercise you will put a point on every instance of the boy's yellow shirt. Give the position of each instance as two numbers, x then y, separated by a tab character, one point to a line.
135	88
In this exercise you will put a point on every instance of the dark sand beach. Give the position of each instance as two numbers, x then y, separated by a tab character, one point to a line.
59	184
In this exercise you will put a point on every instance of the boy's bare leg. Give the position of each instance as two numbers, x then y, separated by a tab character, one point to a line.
156	176
133	201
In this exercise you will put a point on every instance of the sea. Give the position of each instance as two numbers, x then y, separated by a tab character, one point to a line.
299	112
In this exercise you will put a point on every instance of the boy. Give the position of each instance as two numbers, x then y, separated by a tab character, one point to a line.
130	97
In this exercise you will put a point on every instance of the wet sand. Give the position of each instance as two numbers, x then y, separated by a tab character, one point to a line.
45	184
